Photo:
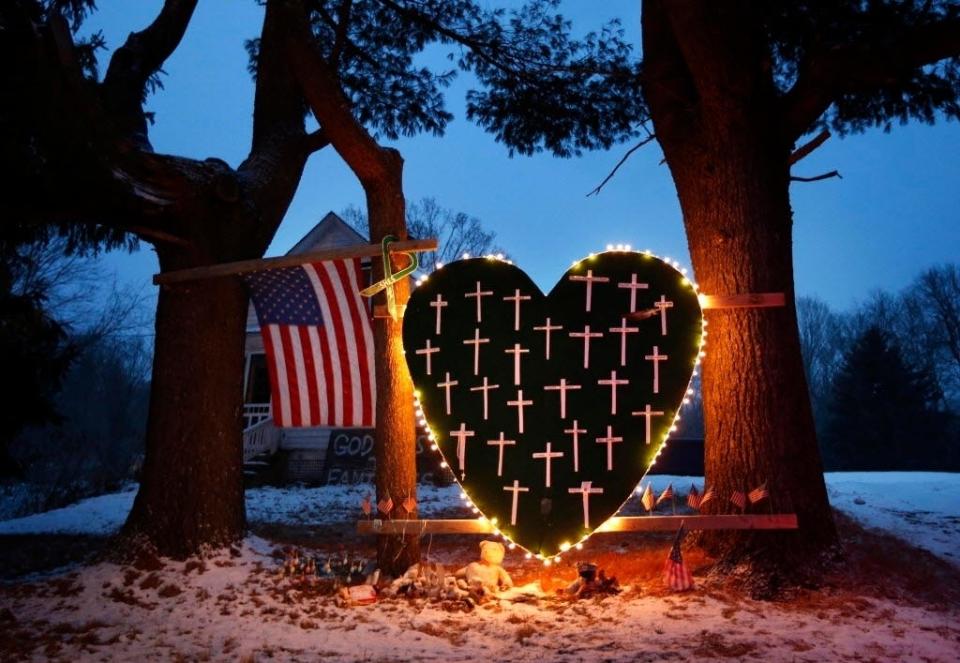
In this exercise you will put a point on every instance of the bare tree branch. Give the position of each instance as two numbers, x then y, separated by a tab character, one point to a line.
623	160
816	178
804	150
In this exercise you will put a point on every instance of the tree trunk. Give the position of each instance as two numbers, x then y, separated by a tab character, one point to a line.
191	489
396	453
758	421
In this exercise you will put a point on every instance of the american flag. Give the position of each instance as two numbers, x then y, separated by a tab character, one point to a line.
385	505
693	497
647	500
707	496
675	572
319	342
738	499
666	494
758	493
366	505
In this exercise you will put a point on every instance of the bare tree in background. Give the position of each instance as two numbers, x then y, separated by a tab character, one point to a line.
457	232
938	295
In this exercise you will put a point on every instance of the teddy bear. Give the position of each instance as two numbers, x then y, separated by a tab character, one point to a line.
487	573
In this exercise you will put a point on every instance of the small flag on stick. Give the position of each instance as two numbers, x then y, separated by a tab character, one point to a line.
409	504
648	500
366	505
707	496
759	493
675	572
693	497
666	494
385	506
739	499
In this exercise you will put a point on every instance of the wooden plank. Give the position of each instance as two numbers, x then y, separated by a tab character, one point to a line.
380	310
258	264
751	300
615	524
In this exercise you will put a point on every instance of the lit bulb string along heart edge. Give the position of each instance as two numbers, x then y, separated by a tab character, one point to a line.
701	343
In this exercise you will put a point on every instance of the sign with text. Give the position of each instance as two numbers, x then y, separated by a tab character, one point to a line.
351	459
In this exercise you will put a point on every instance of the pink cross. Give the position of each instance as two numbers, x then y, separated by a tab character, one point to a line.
439	303
609	440
476	341
520	404
516	351
428	350
462	434
633	285
623	330
548	457
586	490
589	279
586	335
479	294
647	414
613	383
662	307
656	358
516	299
485	387
516	490
563	387
575	431
446	384
501	443
548	329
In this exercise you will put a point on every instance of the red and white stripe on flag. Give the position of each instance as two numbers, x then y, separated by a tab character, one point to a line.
319	344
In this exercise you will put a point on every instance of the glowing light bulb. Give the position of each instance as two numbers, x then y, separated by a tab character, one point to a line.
466	255
609	247
565	546
579	546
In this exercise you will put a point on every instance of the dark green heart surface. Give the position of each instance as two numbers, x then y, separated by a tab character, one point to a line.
549	517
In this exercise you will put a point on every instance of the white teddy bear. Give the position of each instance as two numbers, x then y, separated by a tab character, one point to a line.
487	573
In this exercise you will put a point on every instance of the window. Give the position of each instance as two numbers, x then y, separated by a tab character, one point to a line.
258	380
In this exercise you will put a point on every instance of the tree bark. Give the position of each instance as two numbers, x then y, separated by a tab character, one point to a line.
396	453
191	489
714	109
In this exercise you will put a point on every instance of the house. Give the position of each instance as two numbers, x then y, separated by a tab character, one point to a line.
304	450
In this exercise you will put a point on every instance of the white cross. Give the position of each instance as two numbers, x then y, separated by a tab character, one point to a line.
548	456
586	490
428	351
656	358
479	294
485	387
586	335
516	490
575	431
501	443
439	303
520	404
548	329
662	307
633	286
609	440
613	383
516	351
516	299
563	387
476	341
623	330
589	279
648	414
446	384
462	434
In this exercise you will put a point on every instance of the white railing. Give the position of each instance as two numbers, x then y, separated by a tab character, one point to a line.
254	413
261	438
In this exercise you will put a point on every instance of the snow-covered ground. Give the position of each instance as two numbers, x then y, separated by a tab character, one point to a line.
921	507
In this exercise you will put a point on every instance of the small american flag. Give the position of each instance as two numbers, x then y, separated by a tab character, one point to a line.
666	494
759	493
738	499
648	500
409	504
675	572
366	505
707	496
385	506
319	342
693	497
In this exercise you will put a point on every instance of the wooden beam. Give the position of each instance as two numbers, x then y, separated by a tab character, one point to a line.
615	524
752	300
258	264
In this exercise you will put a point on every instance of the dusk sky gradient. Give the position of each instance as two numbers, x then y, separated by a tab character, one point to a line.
895	212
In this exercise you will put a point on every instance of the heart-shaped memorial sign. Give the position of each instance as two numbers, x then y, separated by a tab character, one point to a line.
550	409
